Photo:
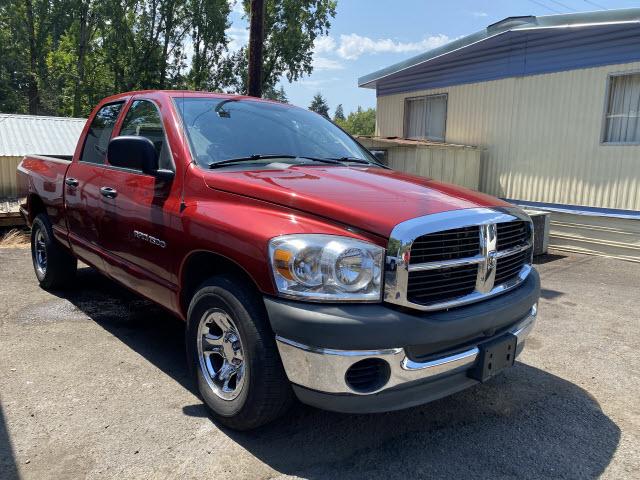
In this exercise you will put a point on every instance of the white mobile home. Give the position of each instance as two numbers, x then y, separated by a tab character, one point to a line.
553	105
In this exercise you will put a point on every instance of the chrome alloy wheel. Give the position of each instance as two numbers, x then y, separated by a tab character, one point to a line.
40	253
221	355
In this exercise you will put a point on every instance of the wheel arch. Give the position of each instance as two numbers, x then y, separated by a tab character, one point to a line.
200	265
35	206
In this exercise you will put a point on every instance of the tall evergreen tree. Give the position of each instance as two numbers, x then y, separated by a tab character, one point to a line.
276	94
338	115
319	105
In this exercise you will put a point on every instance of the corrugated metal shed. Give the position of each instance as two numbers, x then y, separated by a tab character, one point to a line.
33	134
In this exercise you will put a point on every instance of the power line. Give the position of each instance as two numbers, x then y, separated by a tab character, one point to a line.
595	5
540	4
563	5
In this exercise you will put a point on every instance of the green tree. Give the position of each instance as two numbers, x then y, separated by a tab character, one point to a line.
62	56
290	30
276	94
360	122
338	115
34	27
13	69
319	105
210	19
75	65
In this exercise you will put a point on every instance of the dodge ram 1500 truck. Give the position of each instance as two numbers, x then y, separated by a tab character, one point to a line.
302	266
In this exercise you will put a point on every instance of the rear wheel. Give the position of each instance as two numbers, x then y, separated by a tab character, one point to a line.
55	267
233	356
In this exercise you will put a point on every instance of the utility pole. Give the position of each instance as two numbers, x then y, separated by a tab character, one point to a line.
256	39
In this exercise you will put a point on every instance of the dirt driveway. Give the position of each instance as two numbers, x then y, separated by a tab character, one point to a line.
93	384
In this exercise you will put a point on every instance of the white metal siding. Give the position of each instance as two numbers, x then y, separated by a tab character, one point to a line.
594	234
540	137
447	163
8	186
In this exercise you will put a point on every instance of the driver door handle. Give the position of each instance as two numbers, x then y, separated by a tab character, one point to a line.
108	192
72	182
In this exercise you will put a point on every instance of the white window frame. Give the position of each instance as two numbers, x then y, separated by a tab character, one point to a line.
605	110
405	126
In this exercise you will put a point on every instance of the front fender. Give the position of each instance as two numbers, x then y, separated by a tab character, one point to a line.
239	229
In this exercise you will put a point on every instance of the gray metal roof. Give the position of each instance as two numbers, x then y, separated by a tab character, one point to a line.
509	24
35	134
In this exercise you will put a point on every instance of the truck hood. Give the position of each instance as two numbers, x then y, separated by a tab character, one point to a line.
371	199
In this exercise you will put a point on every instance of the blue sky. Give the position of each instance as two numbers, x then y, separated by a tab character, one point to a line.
368	35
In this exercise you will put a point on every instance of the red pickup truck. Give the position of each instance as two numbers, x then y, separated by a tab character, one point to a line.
302	266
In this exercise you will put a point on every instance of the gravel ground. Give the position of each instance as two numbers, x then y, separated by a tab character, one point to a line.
93	384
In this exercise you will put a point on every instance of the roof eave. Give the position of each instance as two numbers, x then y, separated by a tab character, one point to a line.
571	20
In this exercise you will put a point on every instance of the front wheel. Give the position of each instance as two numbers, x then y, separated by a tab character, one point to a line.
233	355
55	267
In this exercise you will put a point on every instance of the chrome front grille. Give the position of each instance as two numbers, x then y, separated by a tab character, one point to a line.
507	268
431	286
512	234
448	245
454	258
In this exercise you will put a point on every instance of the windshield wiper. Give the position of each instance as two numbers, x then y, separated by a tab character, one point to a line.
256	156
323	160
353	160
261	156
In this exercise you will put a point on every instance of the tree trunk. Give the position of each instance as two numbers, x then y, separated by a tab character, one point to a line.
32	91
83	44
256	40
168	27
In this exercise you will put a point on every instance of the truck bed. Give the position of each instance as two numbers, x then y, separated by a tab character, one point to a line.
43	177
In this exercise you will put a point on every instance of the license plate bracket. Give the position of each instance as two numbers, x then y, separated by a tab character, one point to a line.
494	356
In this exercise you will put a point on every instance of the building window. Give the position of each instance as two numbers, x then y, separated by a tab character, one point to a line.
425	118
622	117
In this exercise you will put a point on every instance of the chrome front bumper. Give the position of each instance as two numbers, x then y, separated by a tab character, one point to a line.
324	370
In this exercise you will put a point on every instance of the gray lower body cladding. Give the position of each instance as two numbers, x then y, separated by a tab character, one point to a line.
378	326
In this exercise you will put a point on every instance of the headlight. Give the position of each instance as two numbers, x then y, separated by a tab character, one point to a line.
326	267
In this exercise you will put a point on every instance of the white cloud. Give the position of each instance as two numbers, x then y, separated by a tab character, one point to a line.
238	37
479	14
316	84
236	6
324	63
324	44
353	46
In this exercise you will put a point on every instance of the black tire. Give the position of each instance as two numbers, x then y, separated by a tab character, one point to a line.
60	266
266	392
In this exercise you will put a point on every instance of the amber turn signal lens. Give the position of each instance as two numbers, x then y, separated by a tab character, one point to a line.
281	262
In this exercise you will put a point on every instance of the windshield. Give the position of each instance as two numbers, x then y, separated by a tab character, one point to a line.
222	129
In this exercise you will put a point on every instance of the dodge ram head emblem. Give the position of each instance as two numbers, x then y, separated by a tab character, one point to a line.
487	268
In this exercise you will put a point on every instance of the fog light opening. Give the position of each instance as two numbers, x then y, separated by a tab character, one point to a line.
368	375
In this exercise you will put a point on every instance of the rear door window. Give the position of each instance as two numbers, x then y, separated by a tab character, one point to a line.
99	134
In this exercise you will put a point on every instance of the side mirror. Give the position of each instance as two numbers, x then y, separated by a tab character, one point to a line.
137	153
380	155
